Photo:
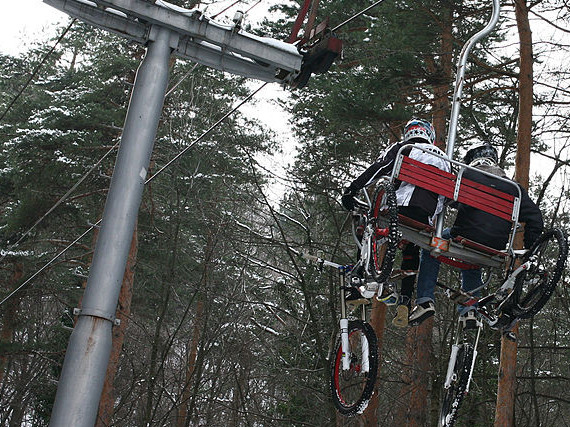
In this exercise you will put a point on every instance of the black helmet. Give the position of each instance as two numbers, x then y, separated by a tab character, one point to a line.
481	150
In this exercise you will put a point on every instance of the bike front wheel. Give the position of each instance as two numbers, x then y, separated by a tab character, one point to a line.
533	287
384	240
454	394
352	388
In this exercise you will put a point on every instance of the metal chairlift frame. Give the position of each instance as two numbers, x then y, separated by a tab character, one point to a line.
458	90
165	30
467	255
424	239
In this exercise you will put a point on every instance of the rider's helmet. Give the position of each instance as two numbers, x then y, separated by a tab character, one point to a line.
481	152
418	128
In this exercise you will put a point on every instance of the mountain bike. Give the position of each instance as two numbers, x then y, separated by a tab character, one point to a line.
354	361
525	290
530	276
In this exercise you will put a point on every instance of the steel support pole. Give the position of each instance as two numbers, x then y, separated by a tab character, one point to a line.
457	94
460	77
89	347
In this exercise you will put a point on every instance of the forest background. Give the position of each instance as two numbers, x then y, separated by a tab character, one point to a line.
221	323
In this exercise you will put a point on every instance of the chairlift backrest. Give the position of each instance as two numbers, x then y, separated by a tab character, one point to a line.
455	186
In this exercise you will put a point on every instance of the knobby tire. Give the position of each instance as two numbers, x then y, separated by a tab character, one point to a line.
384	204
352	389
453	396
533	287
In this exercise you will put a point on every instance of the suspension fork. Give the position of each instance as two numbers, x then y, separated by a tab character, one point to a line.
345	345
364	344
343	322
453	359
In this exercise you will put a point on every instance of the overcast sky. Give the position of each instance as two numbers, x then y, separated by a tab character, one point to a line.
25	20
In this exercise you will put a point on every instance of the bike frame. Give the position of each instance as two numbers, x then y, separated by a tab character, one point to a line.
500	296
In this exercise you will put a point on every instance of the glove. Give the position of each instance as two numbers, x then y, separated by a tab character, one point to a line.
347	199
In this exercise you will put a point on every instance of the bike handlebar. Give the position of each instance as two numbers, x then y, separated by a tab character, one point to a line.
323	262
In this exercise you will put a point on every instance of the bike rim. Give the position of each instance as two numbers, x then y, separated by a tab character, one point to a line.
350	384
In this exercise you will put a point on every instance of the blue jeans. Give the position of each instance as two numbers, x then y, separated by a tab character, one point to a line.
429	270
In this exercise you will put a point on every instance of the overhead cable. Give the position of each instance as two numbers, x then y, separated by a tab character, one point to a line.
60	201
209	130
36	71
162	169
50	262
352	18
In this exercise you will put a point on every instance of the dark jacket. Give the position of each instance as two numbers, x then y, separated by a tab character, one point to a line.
488	229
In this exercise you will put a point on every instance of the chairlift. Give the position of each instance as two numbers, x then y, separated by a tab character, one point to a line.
461	252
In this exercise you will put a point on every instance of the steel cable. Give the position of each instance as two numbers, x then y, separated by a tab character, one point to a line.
37	70
161	170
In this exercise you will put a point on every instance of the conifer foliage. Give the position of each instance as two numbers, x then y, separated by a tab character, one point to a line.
223	323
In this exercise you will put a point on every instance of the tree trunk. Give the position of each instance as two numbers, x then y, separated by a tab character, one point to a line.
525	94
107	402
9	316
419	355
504	412
414	410
184	415
191	365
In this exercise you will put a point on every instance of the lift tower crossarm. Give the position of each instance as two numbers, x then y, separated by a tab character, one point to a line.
224	47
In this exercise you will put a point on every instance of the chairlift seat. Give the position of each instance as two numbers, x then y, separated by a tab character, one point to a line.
479	247
462	252
453	186
463	241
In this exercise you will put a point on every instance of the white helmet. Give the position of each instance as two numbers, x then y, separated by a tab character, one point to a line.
418	128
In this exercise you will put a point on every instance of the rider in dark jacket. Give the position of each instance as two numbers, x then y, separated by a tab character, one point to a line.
479	226
490	230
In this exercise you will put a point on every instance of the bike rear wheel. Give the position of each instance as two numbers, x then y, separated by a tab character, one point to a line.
384	246
453	396
351	389
534	286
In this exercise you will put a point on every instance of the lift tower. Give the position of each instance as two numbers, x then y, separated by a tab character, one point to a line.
165	29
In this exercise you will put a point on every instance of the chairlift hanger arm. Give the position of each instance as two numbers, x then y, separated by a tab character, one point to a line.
319	45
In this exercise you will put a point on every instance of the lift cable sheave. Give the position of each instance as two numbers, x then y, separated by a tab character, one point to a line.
320	46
